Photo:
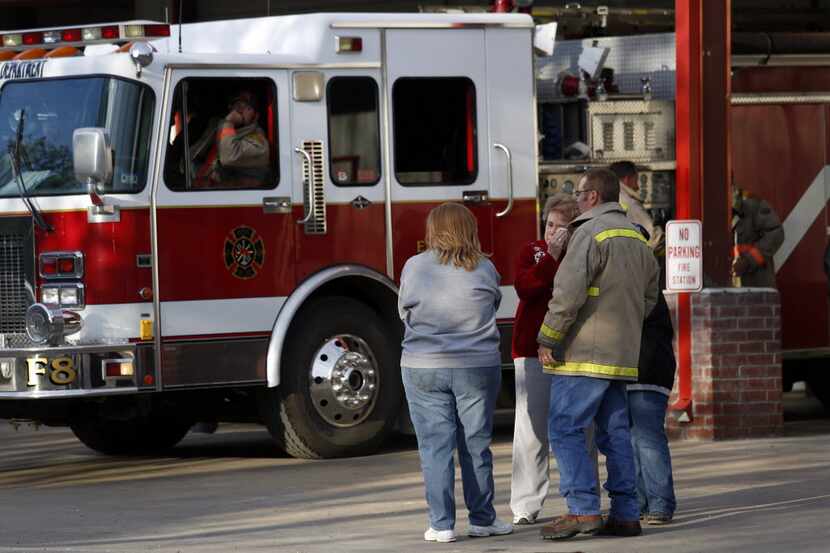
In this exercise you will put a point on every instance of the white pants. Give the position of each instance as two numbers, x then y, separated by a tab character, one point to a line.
531	453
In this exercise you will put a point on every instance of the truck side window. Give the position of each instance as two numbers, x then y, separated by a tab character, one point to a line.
231	135
435	131
354	131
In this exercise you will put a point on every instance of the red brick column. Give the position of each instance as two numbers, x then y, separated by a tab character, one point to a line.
736	365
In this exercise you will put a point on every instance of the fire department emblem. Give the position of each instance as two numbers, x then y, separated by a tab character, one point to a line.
244	252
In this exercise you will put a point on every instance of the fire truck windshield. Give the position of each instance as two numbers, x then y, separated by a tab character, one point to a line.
53	110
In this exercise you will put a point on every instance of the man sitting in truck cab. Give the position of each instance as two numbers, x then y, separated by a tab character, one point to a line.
239	155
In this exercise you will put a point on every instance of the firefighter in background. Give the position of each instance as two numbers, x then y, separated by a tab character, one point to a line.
629	179
626	172
758	235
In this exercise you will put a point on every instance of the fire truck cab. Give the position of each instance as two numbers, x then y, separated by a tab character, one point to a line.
206	222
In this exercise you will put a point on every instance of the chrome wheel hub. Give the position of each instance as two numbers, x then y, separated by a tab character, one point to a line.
344	381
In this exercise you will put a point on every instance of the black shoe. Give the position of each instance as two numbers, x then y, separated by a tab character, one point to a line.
621	528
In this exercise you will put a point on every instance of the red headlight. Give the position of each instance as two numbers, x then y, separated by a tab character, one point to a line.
49	266
61	265
66	265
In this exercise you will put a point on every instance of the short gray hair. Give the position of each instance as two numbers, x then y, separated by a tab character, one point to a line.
605	182
561	203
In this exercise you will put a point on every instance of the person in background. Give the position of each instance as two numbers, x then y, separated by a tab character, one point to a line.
233	152
590	342
535	270
758	235
451	368
629	178
197	126
647	403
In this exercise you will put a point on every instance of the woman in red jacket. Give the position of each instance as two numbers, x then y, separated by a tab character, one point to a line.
536	268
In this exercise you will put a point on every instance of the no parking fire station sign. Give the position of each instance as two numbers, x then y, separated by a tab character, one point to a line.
684	257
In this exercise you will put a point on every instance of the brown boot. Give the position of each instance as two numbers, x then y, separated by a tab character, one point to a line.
621	528
567	526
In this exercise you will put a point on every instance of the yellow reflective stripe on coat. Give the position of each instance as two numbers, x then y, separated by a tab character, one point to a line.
551	333
620	233
593	291
570	367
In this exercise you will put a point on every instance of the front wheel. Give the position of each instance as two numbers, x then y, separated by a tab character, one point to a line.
340	390
139	435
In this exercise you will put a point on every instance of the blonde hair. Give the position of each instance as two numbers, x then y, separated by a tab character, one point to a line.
452	233
561	203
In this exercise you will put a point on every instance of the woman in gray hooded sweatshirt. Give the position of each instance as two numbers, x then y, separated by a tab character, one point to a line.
448	300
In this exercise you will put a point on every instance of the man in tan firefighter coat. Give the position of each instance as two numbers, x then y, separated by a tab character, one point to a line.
590	342
241	153
758	235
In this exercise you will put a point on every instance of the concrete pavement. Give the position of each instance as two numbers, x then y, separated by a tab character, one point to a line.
234	491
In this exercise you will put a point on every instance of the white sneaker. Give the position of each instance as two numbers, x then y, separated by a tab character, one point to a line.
441	536
498	528
524	518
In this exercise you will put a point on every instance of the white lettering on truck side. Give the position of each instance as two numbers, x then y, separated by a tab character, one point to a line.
22	69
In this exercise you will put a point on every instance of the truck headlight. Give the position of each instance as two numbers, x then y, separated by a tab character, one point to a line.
50	295
7	367
69	296
63	295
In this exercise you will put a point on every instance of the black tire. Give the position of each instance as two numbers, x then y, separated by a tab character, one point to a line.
303	428
131	437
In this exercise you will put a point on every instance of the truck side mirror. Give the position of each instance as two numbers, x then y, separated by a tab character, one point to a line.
92	160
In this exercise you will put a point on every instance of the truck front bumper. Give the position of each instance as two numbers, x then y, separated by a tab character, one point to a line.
67	371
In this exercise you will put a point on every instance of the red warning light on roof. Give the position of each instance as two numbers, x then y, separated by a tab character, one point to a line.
71	35
30	39
110	32
156	30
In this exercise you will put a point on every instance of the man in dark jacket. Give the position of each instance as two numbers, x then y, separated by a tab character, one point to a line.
647	403
758	235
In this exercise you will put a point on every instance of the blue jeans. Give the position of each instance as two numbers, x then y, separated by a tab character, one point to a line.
655	485
454	408
575	401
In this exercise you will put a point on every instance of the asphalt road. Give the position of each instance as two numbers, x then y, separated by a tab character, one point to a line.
233	491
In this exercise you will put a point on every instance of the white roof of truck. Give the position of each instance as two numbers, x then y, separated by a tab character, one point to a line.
290	41
311	36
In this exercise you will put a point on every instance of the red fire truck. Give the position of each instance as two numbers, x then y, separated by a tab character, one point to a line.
144	287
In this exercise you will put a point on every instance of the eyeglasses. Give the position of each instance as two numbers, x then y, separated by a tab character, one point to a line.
578	192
